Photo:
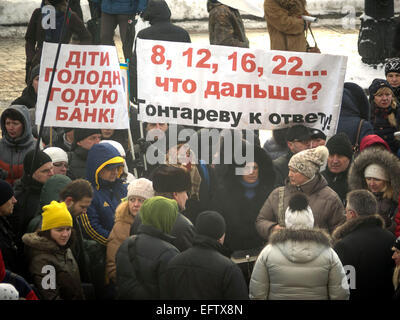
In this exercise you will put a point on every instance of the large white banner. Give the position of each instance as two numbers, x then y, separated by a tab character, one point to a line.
238	88
88	89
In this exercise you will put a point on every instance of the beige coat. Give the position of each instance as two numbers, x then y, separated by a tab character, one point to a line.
325	204
299	265
119	233
285	25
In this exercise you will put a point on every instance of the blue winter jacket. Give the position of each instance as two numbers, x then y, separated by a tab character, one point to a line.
123	6
99	219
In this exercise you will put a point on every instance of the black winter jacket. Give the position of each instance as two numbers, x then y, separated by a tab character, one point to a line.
364	244
338	182
204	272
142	263
77	163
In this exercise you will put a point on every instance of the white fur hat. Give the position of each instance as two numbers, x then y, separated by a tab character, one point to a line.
56	154
376	171
141	187
299	214
8	292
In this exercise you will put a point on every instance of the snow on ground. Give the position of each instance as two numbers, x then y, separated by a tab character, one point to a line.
19	11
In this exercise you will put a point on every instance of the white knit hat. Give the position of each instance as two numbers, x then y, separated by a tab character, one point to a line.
376	171
8	292
308	162
299	215
56	154
141	187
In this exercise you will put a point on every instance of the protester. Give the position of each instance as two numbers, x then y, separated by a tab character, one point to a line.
363	244
35	33
28	189
276	145
318	138
49	249
15	143
142	259
28	97
65	139
285	25
120	136
225	25
22	287
138	191
13	256
385	116
205	272
378	171
299	263
59	158
84	140
339	160
373	140
104	169
304	177
354	114
396	273
392	74
298	138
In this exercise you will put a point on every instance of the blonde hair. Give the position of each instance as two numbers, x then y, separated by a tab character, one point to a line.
391	118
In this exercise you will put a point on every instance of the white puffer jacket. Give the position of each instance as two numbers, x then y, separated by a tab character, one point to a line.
299	265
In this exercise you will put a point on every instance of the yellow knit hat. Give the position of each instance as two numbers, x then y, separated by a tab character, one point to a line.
55	215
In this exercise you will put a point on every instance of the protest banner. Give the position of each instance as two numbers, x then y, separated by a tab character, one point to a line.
88	90
238	88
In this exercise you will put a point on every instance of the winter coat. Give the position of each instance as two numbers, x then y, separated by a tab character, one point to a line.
35	35
28	98
239	211
77	163
364	244
285	25
281	166
382	126
225	26
98	221
386	207
142	262
119	6
354	108
325	204
119	233
298	265
13	151
44	252
8	246
337	182
204	272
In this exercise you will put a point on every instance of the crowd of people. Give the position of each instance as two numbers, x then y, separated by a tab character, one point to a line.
87	216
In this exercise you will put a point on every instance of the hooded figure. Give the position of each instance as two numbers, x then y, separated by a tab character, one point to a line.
386	169
225	25
107	193
375	141
13	150
142	259
158	14
299	263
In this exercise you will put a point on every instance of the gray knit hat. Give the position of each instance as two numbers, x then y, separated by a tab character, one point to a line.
308	162
141	187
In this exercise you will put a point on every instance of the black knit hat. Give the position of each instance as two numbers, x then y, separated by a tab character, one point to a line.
210	224
6	192
81	133
392	65
40	159
376	85
317	134
340	144
298	132
171	179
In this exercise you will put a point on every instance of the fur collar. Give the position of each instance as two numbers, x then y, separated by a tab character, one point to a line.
353	224
313	235
122	213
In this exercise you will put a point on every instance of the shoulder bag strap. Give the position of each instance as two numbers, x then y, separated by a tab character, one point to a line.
281	213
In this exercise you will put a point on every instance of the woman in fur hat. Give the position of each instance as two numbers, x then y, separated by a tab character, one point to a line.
378	171
385	116
299	263
54	270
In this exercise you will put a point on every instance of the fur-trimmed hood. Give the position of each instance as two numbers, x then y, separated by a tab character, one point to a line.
353	224
122	213
301	246
381	157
